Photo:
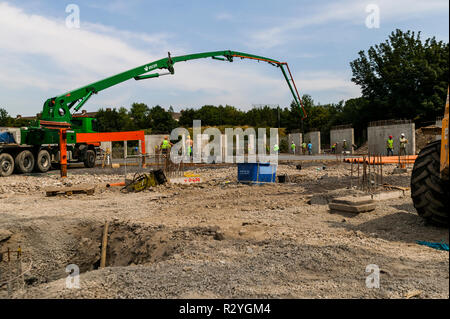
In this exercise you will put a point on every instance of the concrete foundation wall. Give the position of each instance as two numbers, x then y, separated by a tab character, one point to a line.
297	138
338	136
314	138
378	135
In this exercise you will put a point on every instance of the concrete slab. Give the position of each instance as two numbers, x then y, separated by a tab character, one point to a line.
389	195
352	208
355	201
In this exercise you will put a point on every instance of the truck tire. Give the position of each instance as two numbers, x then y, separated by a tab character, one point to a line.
6	164
89	159
24	162
43	161
430	194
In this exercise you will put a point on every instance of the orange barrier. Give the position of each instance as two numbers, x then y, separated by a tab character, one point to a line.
114	137
376	160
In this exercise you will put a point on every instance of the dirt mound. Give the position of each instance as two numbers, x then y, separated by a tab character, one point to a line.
423	139
362	150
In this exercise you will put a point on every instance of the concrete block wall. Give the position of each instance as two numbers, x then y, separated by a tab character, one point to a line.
297	138
314	138
378	135
339	135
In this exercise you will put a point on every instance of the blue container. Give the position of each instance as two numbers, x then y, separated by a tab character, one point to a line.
257	173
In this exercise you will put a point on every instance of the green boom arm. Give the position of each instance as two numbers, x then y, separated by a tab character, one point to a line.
58	108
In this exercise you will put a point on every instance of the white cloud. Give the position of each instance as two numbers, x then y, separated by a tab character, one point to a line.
40	53
351	11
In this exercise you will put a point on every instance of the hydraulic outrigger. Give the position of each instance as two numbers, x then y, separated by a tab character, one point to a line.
58	126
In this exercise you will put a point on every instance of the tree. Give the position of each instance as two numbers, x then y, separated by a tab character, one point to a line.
404	77
140	115
162	122
114	121
5	119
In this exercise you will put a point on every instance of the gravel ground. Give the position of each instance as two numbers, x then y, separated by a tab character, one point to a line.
218	239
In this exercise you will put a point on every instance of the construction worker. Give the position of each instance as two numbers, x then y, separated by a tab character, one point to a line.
304	148
309	148
276	148
293	147
165	145
390	146
403	141
189	144
344	146
333	148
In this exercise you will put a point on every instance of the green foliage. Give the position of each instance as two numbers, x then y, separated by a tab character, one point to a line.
154	120
161	121
403	77
5	119
112	120
284	145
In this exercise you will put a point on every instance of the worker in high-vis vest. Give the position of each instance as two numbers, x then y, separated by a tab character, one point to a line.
304	148
390	146
165	145
293	147
403	141
189	143
276	148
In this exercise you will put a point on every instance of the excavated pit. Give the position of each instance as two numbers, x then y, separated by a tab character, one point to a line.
80	244
133	244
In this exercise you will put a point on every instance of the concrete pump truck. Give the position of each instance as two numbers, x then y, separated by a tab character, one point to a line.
36	147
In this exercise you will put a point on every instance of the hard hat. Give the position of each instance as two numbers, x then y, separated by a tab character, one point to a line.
403	134
390	136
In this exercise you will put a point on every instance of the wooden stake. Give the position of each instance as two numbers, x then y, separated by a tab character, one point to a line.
104	245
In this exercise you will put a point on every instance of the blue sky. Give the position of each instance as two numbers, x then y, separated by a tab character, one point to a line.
40	57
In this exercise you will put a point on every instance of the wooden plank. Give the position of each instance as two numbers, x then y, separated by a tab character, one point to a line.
77	189
104	246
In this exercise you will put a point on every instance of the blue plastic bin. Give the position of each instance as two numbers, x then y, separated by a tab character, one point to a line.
257	173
